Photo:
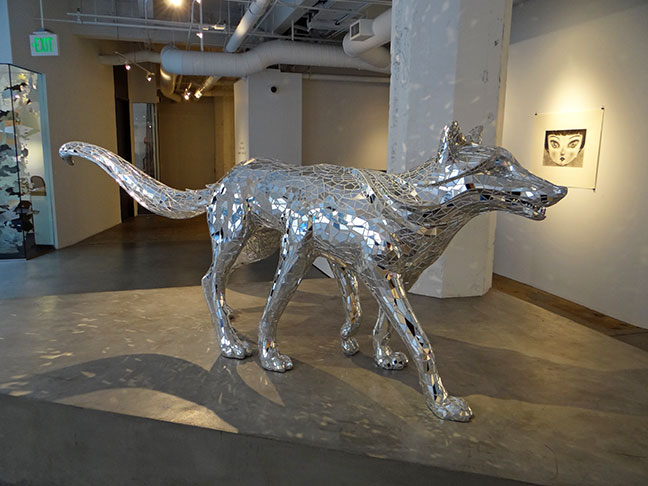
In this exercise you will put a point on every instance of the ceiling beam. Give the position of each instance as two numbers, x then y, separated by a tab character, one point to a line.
284	14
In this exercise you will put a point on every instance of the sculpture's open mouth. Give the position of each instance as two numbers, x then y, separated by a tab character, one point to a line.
530	210
520	206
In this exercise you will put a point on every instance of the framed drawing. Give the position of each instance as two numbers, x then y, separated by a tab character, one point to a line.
566	147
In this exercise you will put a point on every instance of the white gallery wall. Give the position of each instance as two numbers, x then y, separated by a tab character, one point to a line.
80	99
345	123
593	247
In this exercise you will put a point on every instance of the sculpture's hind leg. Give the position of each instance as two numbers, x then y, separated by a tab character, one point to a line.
262	243
389	291
229	233
348	285
294	260
231	345
384	357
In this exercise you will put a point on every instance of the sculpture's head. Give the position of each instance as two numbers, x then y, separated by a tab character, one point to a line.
491	178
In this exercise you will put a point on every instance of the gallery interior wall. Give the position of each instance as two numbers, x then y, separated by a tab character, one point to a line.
81	106
139	89
187	145
345	123
593	247
224	132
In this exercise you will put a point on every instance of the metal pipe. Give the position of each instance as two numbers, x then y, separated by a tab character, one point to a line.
253	13
42	18
133	57
168	84
342	77
259	58
248	21
178	27
202	44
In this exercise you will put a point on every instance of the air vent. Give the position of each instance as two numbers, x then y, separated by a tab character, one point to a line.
361	30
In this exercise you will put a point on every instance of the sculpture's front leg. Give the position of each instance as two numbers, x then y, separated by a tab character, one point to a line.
348	285
389	291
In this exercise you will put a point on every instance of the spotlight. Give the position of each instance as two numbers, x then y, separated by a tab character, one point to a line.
186	95
149	77
199	34
175	3
127	66
219	26
198	94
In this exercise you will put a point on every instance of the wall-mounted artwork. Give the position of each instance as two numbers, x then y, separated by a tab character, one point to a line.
566	147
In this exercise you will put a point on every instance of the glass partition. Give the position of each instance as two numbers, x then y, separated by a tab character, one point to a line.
145	141
26	220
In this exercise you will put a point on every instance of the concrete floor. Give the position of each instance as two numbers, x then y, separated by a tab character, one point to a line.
119	325
142	253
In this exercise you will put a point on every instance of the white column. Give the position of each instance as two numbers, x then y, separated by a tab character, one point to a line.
268	116
448	63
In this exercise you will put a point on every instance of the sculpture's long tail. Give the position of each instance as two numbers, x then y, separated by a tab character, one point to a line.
151	194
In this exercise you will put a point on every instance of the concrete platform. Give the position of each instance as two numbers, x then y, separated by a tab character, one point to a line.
554	402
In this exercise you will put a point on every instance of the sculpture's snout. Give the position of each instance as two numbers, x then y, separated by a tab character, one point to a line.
557	194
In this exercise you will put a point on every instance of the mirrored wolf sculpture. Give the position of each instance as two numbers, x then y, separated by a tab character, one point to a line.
384	229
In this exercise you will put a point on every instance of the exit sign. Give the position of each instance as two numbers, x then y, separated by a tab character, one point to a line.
43	44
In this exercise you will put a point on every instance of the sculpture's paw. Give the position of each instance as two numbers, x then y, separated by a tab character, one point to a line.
240	350
277	362
452	408
394	361
350	346
248	346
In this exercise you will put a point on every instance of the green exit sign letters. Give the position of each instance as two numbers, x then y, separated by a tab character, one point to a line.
43	44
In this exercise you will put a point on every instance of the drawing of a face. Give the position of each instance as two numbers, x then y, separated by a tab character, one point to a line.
563	149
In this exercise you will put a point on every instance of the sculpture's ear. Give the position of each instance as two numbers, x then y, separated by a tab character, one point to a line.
475	135
450	138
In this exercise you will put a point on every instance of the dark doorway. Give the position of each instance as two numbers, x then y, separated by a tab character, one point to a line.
122	118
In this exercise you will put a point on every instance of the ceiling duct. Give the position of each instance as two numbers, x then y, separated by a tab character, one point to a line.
365	39
249	20
167	85
259	58
254	12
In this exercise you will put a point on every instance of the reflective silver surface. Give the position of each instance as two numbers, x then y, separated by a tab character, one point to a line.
382	228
